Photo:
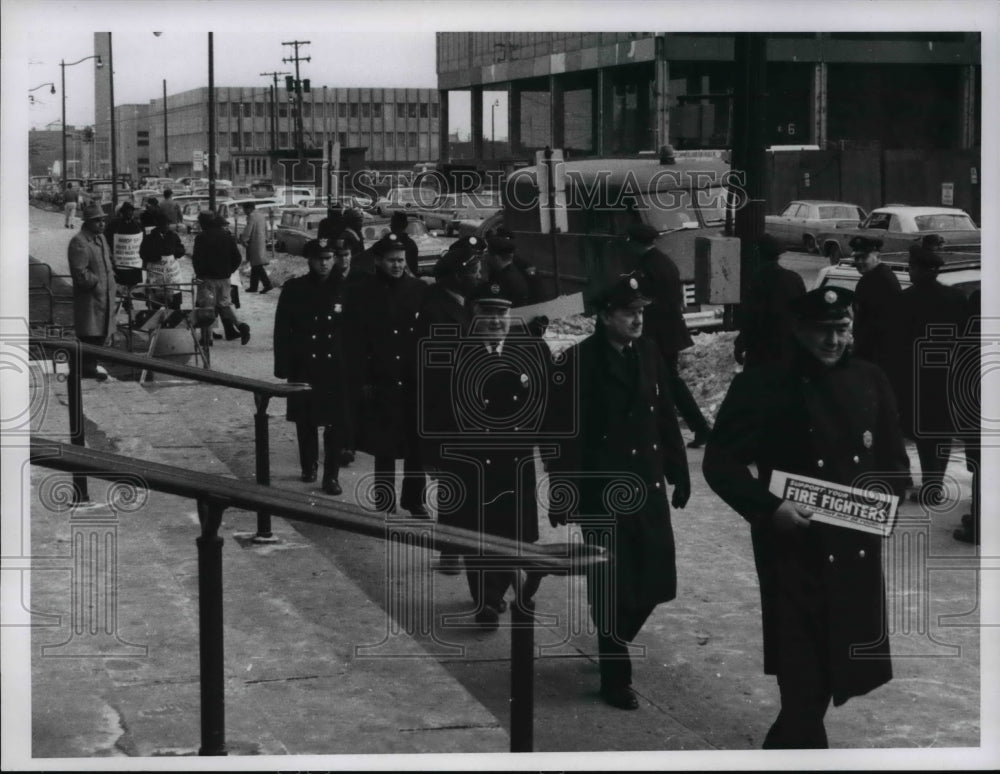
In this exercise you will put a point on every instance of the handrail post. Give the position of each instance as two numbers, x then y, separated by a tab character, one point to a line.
78	437
262	454
522	679
210	631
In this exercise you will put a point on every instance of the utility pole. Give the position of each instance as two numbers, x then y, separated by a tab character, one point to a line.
274	107
299	129
166	154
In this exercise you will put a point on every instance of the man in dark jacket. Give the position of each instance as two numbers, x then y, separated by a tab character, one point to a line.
664	321
159	251
765	320
94	288
922	387
215	257
512	277
875	300
382	312
828	416
629	445
124	234
443	319
397	226
309	347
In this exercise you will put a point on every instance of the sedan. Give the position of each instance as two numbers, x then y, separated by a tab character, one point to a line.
900	226
298	225
961	270
802	221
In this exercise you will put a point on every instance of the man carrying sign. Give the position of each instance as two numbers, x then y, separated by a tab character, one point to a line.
124	234
825	416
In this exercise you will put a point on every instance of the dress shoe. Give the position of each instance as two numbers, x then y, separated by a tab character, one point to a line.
309	474
449	564
216	336
966	535
620	696
699	440
332	487
488	618
346	457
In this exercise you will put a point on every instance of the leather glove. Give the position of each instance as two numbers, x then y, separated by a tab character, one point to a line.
682	492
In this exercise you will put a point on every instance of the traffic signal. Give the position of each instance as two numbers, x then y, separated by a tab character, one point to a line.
289	83
305	85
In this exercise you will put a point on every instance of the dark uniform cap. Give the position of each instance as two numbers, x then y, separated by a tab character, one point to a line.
830	303
925	257
626	291
501	245
460	256
768	248
470	243
387	244
863	244
642	233
489	294
314	248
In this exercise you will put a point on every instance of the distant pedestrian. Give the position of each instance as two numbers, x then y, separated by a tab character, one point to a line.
94	288
628	448
215	257
71	198
875	299
254	239
922	387
664	321
309	347
397	225
171	209
828	416
765	318
382	313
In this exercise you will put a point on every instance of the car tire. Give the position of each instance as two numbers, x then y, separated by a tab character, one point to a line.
834	253
809	244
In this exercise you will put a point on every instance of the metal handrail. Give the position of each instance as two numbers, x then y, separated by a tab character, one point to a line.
216	493
262	392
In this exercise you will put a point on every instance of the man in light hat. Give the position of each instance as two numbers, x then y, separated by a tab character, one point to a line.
309	347
922	392
382	314
628	448
875	298
94	287
828	416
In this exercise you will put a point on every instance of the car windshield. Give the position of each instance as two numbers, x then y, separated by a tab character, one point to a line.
668	210
878	220
838	212
945	221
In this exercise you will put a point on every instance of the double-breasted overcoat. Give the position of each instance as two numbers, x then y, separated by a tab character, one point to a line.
94	288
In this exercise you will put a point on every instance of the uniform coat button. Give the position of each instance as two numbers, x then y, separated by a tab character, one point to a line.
819	463
657	485
861	553
488	462
655	447
634	452
856	459
397	357
394	331
515	397
314	335
831	558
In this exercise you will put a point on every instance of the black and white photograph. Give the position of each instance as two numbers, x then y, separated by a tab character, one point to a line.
480	385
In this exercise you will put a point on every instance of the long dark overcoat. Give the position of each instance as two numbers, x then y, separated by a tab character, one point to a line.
94	288
837	424
875	301
309	347
766	321
382	314
628	443
664	318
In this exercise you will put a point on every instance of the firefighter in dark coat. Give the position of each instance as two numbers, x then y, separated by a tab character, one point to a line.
499	396
382	312
664	321
397	225
309	347
921	391
766	321
875	300
829	416
443	320
629	446
517	280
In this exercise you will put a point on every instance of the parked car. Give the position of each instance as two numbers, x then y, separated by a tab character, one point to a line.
161	184
961	270
405	199
430	247
293	195
801	221
100	191
899	226
297	226
263	189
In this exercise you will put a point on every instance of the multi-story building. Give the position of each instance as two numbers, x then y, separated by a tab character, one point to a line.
622	92
45	150
132	138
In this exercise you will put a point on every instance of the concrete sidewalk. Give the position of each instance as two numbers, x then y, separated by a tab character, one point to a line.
116	671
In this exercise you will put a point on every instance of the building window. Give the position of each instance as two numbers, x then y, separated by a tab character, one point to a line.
234	141
142	134
389	139
234	109
423	110
283	111
354	110
247	139
366	110
377	110
258	109
223	109
412	109
400	110
142	143
412	139
434	110
258	140
342	139
342	110
307	110
400	139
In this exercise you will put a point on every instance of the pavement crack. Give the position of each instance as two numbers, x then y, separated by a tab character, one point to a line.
456	727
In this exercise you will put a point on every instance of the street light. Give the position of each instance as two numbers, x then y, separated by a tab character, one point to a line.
493	128
63	65
31	97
